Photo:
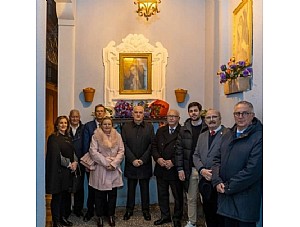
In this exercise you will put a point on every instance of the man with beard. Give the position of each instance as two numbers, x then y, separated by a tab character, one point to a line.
207	146
185	147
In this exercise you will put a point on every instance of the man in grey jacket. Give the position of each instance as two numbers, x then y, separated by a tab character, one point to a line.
237	169
207	146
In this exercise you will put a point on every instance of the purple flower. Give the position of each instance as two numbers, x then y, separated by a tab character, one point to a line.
245	73
223	78
233	66
241	63
250	70
223	67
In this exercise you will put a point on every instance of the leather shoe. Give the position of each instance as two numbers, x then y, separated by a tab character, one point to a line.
162	221
57	224
147	215
127	215
111	221
177	223
78	213
65	222
100	222
87	217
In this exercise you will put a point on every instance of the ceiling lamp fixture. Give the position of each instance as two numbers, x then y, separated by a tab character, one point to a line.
147	8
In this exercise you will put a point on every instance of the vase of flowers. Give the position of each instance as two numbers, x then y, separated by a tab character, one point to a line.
123	109
235	76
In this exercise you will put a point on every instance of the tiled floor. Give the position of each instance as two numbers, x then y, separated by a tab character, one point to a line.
136	220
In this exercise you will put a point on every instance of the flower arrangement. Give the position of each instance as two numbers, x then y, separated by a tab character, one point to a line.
147	108
159	108
123	109
233	70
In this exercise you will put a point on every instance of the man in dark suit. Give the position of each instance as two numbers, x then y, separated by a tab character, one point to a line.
76	133
207	145
163	152
137	136
88	132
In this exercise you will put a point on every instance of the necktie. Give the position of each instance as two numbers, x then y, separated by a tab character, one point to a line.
238	134
172	130
212	133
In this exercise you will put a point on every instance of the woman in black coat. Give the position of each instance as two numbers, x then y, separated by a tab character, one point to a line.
61	161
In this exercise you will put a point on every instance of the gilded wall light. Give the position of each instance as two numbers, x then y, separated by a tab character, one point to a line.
147	8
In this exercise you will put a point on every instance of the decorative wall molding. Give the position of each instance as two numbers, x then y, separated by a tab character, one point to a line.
133	43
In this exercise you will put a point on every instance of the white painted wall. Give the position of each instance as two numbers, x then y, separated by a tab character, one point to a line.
255	96
197	35
179	27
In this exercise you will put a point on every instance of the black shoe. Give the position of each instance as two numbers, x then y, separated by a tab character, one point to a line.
78	213
100	222
162	221
87	217
127	215
111	221
57	224
65	222
147	215
177	223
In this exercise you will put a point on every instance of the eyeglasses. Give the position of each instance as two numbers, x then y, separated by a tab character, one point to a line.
211	117
237	114
172	116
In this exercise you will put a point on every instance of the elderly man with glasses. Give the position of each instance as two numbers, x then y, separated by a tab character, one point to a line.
163	152
237	169
207	145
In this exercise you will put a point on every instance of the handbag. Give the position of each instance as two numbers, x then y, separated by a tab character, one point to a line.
88	162
77	181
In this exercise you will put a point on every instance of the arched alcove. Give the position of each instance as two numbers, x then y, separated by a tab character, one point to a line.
134	44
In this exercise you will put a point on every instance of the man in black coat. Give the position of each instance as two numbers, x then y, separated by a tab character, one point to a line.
237	169
137	136
163	152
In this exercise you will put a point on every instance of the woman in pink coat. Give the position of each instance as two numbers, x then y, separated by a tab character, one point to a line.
107	150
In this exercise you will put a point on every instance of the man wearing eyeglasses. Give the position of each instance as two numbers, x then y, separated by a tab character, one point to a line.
207	146
163	152
237	169
185	147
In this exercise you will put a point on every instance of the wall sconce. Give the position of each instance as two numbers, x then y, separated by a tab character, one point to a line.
147	8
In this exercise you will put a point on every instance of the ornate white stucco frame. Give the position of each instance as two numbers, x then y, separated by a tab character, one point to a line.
133	43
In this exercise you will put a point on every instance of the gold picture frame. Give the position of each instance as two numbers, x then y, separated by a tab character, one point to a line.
135	73
243	31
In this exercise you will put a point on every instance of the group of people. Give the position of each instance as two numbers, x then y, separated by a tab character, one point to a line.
202	157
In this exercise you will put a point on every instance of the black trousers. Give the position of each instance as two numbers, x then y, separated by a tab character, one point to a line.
210	210
230	222
163	197
60	205
91	200
144	189
110	198
79	195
